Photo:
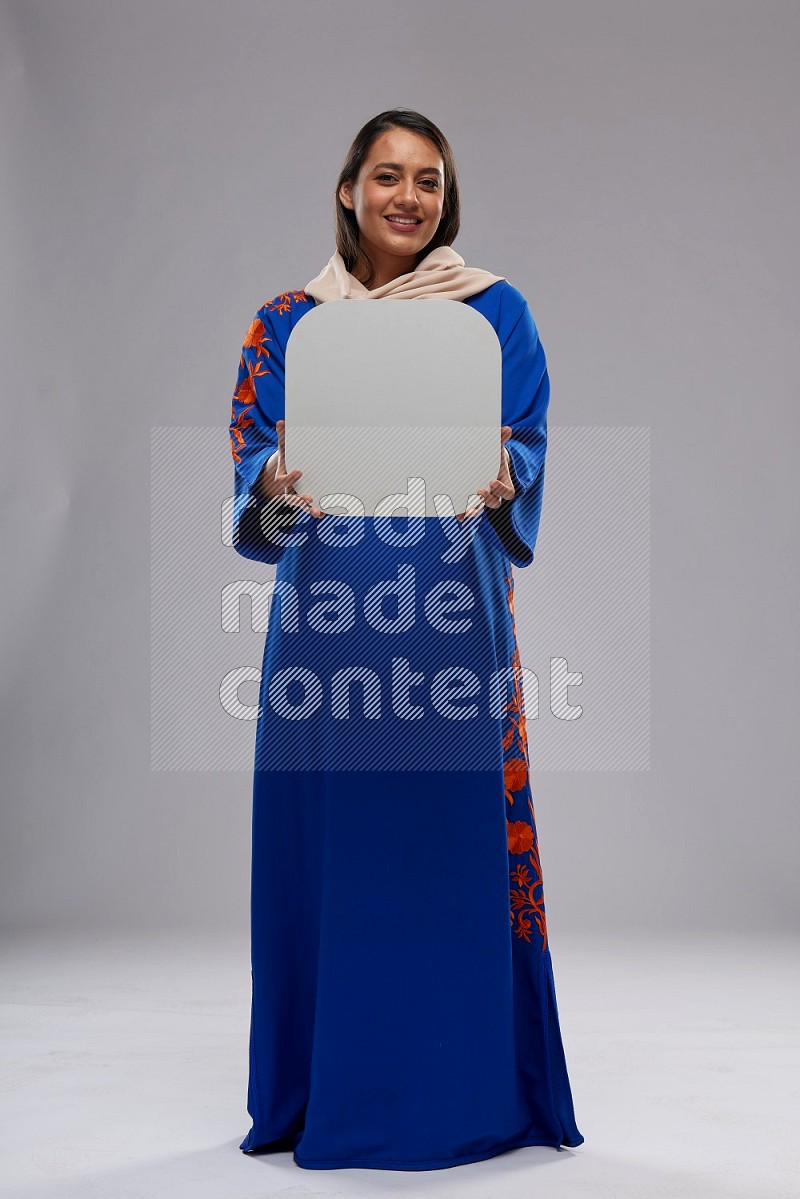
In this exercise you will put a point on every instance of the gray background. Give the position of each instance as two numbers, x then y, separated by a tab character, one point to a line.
632	168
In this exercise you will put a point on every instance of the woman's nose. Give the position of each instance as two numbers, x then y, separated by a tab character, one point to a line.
408	193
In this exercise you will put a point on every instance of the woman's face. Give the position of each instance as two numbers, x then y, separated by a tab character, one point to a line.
401	176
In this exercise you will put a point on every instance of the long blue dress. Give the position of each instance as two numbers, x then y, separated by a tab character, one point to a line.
403	1003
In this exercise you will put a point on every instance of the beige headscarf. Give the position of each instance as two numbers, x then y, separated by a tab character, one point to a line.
441	275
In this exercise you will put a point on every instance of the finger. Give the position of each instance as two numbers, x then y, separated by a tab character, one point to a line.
308	503
474	509
309	499
504	491
492	499
281	464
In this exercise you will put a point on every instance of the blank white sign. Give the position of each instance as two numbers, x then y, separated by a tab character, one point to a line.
382	392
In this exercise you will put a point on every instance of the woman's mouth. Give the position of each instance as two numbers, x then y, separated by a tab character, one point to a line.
403	224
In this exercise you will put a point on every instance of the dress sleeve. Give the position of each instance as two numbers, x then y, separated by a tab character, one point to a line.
258	403
525	399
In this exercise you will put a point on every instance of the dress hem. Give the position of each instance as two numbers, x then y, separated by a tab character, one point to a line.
394	1164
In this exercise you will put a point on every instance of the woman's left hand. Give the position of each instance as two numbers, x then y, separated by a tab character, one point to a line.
500	488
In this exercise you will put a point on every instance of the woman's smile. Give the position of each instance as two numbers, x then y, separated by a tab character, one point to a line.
403	223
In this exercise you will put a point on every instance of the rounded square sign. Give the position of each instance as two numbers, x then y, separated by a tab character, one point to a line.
393	400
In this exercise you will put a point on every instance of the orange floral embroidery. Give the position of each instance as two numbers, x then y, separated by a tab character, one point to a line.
284	301
256	338
515	772
520	836
244	397
527	907
243	400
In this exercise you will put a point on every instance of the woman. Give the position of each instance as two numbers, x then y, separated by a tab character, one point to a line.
403	1005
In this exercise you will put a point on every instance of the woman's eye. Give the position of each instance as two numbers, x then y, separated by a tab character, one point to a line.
433	182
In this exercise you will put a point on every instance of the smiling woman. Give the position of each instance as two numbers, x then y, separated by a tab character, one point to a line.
403	1012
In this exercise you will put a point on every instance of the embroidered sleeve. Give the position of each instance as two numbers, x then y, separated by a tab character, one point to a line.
258	403
525	400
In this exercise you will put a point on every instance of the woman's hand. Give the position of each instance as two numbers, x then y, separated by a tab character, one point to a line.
275	481
500	488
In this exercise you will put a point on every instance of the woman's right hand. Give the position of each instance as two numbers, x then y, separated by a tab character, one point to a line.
275	481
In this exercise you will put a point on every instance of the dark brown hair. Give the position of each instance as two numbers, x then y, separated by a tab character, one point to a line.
345	218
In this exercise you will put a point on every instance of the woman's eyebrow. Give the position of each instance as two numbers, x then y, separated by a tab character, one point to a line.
397	167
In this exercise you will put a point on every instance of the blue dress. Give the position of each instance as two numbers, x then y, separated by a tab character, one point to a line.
403	1003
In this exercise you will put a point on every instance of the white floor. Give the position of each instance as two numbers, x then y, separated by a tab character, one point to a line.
125	1075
